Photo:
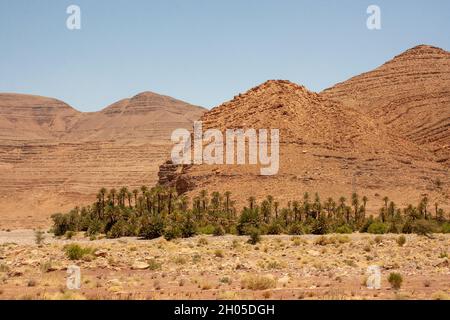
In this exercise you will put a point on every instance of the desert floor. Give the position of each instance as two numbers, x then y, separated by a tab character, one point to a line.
206	267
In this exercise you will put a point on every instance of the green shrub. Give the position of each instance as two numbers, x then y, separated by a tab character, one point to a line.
378	228
208	229
152	228
320	226
154	265
446	227
366	225
39	237
274	228
76	252
248	220
423	227
255	236
95	227
297	229
60	224
401	240
396	280
188	228
218	230
172	231
344	229
121	229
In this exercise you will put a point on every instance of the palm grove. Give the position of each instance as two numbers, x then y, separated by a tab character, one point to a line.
156	212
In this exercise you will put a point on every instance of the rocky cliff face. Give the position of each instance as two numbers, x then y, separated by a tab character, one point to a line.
53	157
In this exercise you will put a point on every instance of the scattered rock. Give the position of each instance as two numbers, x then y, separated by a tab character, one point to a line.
139	265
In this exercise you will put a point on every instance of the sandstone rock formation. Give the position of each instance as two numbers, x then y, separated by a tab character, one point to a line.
53	157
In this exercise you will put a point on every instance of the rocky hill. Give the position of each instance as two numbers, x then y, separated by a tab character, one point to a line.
335	146
53	157
410	94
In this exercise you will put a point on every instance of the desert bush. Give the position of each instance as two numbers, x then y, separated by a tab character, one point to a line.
152	228
258	282
274	228
95	227
395	280
69	235
297	229
320	226
154	265
324	240
218	230
172	231
255	236
208	229
76	252
378	228
120	229
39	237
248	221
218	253
344	229
445	227
189	227
60	224
423	227
401	240
202	242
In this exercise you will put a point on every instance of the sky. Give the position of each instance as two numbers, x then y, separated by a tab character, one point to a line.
201	51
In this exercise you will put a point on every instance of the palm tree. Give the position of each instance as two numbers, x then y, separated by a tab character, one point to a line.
135	192
129	194
251	202
171	193
425	206
227	201
364	200
122	195
265	210
296	209
355	203
386	200
276	205
329	205
113	192
204	199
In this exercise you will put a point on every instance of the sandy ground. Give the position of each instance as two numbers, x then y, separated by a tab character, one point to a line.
206	267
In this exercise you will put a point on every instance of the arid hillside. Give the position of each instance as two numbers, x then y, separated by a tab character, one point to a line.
53	157
410	94
330	146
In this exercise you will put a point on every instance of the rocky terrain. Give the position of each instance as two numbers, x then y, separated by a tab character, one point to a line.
279	267
53	157
410	94
326	146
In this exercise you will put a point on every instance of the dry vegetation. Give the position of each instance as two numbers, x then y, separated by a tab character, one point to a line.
225	267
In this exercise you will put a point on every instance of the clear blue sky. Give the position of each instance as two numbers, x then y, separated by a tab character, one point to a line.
201	51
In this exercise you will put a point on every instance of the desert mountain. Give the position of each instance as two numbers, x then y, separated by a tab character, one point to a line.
326	146
53	157
410	94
